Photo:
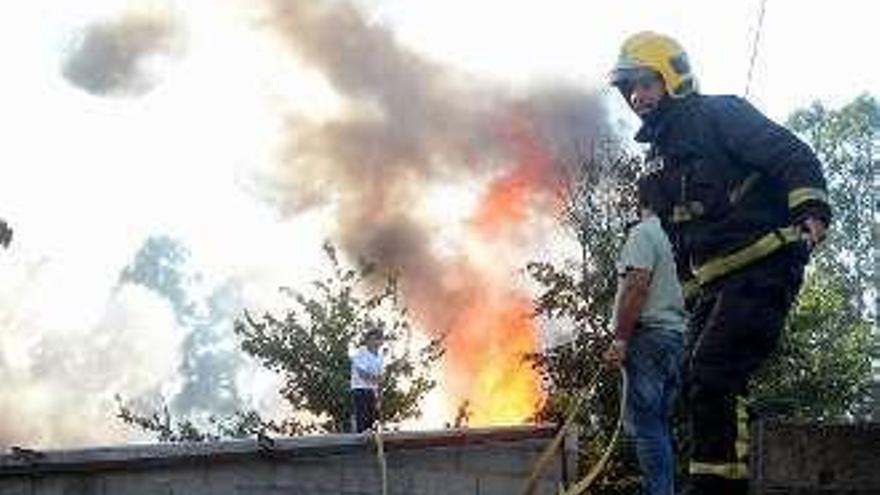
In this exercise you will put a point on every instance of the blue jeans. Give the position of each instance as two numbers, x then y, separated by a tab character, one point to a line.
653	367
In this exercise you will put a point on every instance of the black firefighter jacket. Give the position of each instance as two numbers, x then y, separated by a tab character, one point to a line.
727	178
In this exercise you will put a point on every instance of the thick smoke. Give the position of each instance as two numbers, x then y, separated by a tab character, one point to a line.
59	385
114	57
409	123
151	342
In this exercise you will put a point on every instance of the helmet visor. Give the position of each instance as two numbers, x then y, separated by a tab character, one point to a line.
627	79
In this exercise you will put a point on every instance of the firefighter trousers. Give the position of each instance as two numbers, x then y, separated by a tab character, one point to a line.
735	325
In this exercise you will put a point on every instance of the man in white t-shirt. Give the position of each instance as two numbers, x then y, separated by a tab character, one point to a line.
366	377
649	320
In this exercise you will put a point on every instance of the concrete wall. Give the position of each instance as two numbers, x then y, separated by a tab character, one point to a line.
816	459
459	462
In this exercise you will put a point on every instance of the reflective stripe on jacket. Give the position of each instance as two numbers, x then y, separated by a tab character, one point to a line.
728	178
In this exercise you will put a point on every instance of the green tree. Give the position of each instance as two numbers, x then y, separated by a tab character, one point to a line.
847	142
308	344
210	360
598	199
823	368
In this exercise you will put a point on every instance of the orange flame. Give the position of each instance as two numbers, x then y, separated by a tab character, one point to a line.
495	332
510	196
489	347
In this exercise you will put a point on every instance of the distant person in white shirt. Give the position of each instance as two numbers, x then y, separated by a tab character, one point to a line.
366	376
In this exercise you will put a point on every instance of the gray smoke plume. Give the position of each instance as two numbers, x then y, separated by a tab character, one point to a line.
59	386
112	58
411	123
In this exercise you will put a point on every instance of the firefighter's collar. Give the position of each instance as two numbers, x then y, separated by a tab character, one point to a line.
655	123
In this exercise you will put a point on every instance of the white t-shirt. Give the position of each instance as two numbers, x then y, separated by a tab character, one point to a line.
367	362
648	248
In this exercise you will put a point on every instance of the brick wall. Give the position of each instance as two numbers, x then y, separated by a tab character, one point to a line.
459	462
791	458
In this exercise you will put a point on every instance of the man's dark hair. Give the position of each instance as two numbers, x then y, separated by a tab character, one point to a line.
648	196
373	332
648	192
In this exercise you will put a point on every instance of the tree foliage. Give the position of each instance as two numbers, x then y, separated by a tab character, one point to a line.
308	345
210	359
823	369
823	366
848	143
598	199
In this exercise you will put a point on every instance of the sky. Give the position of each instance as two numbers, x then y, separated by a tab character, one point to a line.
238	129
807	50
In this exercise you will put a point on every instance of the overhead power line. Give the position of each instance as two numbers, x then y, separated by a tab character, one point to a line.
756	41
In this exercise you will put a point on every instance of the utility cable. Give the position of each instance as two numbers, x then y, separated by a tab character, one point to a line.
755	43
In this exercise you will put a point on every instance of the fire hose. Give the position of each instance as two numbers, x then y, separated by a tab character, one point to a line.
380	444
541	464
380	455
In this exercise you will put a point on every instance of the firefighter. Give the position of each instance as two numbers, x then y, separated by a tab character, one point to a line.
743	202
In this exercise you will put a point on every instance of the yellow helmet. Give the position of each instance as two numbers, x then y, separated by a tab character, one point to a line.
660	53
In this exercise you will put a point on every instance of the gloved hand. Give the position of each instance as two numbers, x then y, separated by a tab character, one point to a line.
615	355
813	231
